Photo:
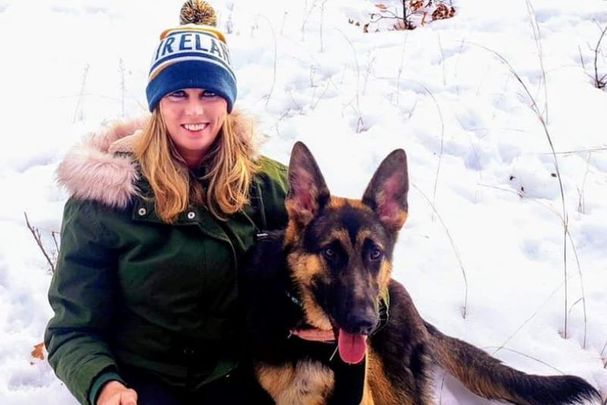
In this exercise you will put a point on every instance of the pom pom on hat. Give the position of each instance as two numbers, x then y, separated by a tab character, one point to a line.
193	55
197	12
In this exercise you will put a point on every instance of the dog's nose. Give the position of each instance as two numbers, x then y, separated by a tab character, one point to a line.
361	322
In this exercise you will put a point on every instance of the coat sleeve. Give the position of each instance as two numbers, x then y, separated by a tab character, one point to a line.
82	295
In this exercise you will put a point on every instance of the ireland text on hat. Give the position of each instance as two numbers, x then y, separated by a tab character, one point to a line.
190	45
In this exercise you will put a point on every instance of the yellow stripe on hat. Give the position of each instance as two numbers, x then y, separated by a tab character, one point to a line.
195	27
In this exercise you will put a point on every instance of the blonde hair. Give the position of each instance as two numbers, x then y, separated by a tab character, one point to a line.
230	164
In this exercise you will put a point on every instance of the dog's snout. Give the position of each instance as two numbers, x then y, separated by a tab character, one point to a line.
361	322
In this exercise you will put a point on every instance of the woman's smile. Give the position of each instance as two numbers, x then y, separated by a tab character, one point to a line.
198	127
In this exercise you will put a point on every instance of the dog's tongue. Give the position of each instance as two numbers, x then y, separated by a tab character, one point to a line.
352	348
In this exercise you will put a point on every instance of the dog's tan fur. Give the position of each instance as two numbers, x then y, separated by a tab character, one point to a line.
306	383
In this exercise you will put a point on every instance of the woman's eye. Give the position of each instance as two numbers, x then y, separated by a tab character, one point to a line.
209	94
177	94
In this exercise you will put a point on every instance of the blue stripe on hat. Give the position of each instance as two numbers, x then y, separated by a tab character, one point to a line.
199	73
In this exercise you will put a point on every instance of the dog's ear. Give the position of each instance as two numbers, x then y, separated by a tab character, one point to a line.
308	192
386	194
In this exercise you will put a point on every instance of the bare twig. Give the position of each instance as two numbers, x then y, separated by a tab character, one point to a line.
122	70
322	94
307	13
229	23
284	21
535	108
579	49
509	338
359	122
78	111
403	19
604	355
537	36
442	53
453	246
581	190
283	116
532	358
368	73
55	241
400	68
442	387
574	304
571	152
322	19
583	298
391	15
442	139
599	82
38	238
577	261
305	19
442	144
274	64
456	68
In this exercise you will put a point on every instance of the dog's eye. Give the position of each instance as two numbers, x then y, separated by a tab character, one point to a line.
329	253
375	254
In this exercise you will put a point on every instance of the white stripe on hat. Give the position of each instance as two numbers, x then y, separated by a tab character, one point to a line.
190	45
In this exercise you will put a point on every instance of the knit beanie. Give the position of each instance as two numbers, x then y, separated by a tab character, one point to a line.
193	55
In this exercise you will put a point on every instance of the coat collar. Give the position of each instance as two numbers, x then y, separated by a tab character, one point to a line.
95	169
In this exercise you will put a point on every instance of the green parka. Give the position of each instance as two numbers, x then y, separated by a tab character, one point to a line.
131	290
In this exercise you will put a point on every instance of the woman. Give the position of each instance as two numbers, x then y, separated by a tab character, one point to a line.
145	292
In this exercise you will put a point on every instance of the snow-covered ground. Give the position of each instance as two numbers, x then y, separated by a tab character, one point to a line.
484	254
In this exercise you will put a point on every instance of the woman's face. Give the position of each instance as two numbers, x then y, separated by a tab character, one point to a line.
193	118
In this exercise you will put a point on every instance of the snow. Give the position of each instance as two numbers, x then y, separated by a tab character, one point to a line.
462	96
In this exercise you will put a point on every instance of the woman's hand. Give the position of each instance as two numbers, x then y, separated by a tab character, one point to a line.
115	393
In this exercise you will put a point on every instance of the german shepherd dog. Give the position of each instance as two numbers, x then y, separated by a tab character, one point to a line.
330	270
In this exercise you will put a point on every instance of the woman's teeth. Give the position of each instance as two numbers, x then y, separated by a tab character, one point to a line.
194	127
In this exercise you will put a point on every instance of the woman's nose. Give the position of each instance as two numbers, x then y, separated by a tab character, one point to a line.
194	106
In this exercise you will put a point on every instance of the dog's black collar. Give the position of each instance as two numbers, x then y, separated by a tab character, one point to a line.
294	299
384	313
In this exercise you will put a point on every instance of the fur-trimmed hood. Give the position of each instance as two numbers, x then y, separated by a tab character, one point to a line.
95	170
